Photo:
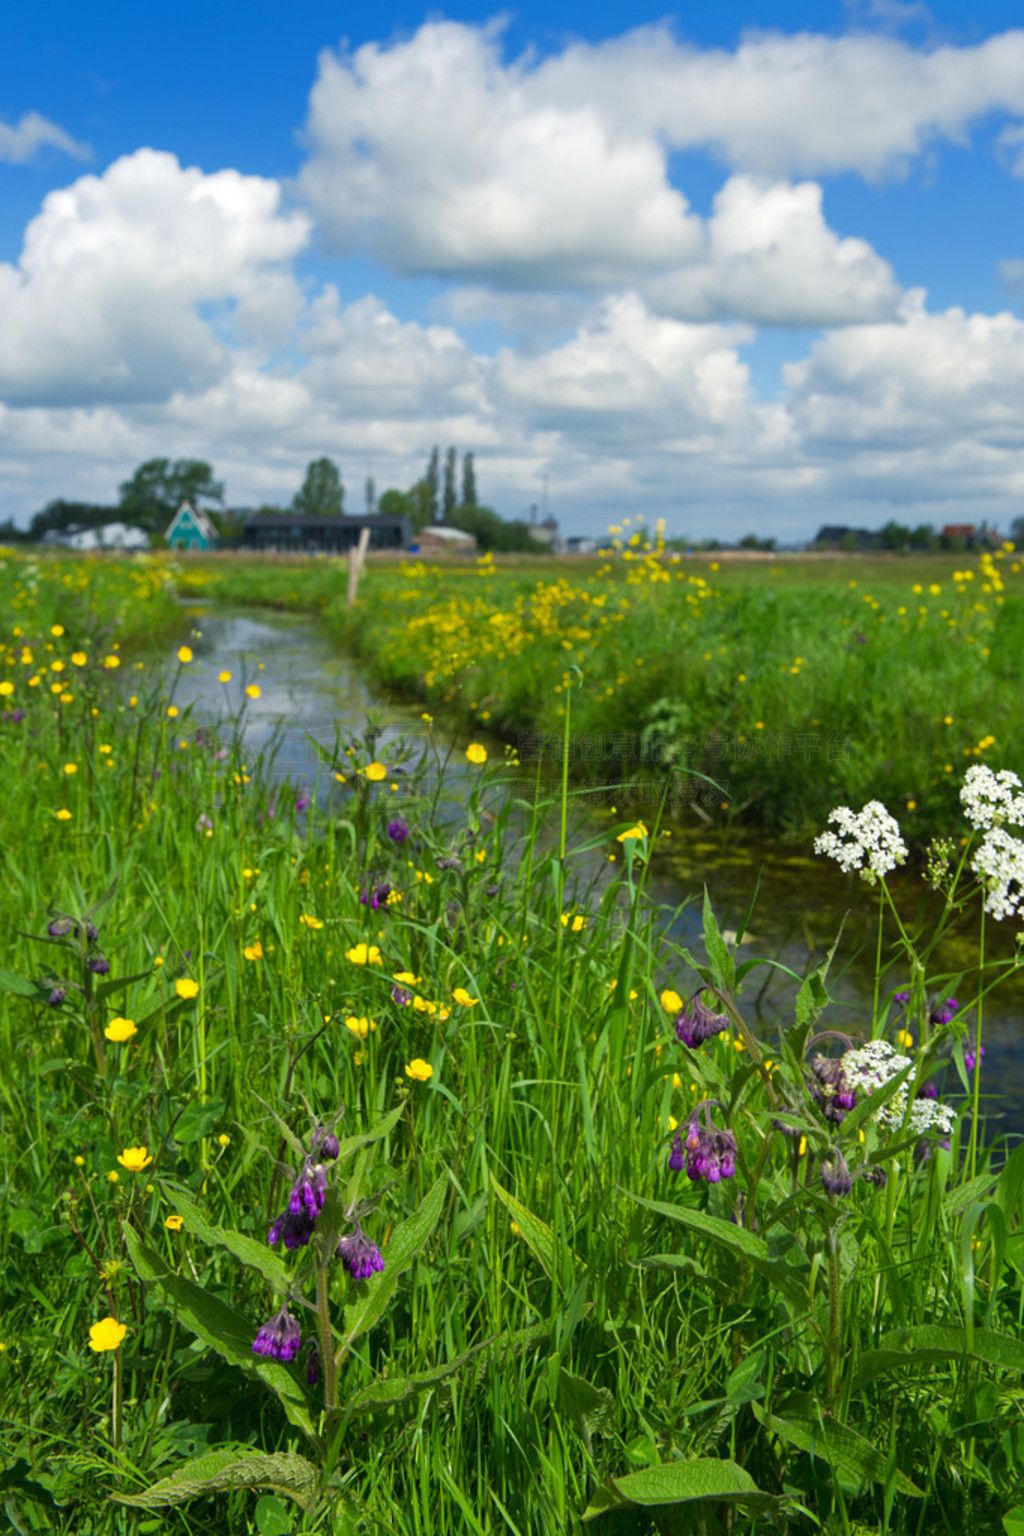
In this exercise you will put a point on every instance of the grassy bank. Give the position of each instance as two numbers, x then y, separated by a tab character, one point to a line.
228	1011
767	690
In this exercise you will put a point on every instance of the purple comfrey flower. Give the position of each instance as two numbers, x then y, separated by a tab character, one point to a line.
970	1058
709	1153
942	1012
279	1338
831	1090
99	965
301	804
295	1229
401	995
204	824
835	1174
325	1144
398	830
903	998
57	996
12	716
305	1202
375	896
696	1023
928	1091
360	1256
61	927
92	933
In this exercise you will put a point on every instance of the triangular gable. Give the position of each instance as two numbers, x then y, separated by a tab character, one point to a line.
199	521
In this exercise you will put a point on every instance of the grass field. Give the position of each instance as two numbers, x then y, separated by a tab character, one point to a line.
639	1265
766	690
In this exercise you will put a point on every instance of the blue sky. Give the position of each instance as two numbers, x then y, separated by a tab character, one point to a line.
748	267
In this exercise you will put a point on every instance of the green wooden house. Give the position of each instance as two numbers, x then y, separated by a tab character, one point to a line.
191	529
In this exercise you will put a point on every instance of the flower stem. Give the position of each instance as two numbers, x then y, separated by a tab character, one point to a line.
323	1329
976	1086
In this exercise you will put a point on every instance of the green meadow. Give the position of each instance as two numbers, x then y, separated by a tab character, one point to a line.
369	1168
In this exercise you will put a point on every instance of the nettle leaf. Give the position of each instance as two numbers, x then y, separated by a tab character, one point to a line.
222	1470
537	1235
722	963
739	1243
353	1144
222	1329
197	1121
20	986
682	1482
834	1443
406	1242
248	1250
933	1344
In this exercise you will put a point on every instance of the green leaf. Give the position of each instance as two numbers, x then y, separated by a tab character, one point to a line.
718	951
406	1242
248	1250
234	1467
931	1344
587	1407
833	1442
1013	1521
222	1329
383	1394
272	1517
10	981
353	1144
197	1121
537	1235
740	1243
682	1482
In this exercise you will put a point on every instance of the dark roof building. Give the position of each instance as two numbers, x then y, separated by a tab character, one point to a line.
313	533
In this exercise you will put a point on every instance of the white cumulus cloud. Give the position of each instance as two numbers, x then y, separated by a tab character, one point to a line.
123	276
771	258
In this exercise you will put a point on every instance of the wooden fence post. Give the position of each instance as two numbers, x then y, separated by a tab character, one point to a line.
356	556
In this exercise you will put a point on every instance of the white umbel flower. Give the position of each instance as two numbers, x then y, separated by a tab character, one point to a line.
873	1065
999	865
868	841
991	799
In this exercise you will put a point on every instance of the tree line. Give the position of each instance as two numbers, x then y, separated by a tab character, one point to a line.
149	499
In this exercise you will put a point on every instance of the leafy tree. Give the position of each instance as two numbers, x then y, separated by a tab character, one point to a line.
157	489
492	532
923	537
894	535
414	504
432	479
322	493
451	500
468	481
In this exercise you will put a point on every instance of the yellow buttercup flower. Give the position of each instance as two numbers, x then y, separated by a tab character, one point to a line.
671	1001
359	1027
174	1223
184	655
6	688
57	629
575	922
78	658
107	1334
224	677
253	951
64	815
419	1070
639	831
120	1030
308	921
375	772
186	987
253	691
363	954
134	1159
476	753
462	996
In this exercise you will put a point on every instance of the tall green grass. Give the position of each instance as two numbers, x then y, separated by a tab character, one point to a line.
563	1325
